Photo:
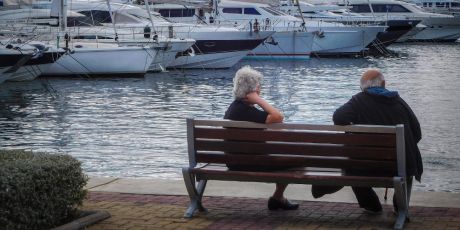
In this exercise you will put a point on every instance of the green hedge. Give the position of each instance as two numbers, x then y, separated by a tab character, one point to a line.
39	190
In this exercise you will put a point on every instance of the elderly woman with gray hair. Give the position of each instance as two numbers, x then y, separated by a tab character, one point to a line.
246	90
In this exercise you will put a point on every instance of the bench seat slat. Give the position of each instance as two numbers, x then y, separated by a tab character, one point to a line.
360	152
296	161
297	177
289	136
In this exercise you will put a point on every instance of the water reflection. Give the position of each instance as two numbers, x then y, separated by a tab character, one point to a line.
135	127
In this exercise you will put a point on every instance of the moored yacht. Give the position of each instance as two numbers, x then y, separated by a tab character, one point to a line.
86	28
92	57
335	13
290	41
215	46
451	7
434	27
329	39
23	61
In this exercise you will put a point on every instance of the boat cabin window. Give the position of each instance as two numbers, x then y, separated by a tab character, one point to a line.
455	4
177	13
379	8
440	4
251	11
233	10
360	8
392	8
97	16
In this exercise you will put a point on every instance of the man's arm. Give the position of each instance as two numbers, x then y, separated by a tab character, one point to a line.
344	115
414	124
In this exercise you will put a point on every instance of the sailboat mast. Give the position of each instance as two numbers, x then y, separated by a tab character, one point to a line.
301	16
147	6
112	19
63	16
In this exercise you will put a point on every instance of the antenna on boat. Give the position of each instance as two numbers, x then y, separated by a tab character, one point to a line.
301	15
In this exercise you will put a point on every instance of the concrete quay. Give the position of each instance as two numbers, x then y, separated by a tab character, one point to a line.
160	204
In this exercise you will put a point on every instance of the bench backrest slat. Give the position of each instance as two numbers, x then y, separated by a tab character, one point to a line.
300	136
295	126
315	149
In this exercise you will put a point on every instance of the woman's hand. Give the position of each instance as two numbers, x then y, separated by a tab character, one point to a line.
252	98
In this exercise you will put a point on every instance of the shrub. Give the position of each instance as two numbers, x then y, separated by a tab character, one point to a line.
39	190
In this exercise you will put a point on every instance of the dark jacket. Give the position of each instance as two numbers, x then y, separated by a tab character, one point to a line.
389	109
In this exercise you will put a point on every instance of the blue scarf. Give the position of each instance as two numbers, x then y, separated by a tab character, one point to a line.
381	91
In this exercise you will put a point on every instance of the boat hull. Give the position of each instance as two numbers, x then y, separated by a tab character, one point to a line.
346	41
220	52
103	60
285	45
30	67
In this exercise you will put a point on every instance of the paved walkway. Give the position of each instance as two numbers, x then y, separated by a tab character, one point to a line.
160	211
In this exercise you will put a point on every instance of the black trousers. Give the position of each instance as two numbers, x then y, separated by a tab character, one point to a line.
366	196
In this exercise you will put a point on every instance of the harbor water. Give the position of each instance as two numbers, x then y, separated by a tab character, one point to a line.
135	127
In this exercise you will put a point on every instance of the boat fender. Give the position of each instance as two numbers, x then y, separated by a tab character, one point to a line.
319	33
147	31
191	52
256	26
66	38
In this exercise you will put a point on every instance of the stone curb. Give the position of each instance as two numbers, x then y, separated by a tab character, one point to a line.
89	218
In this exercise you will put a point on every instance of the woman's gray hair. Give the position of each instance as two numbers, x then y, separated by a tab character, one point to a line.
374	82
246	80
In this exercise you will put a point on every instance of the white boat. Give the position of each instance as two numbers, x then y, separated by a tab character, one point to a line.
92	58
451	7
215	47
38	22
433	27
21	61
285	43
334	13
328	39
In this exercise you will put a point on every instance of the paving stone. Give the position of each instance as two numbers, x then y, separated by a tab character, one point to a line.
131	211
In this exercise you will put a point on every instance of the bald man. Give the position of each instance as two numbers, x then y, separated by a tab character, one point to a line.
378	106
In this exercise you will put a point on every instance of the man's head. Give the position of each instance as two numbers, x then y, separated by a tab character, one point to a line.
372	78
246	80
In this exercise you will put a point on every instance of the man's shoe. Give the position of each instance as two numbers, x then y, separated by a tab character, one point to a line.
274	204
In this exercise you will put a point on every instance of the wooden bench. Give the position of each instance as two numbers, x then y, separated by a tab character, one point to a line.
320	154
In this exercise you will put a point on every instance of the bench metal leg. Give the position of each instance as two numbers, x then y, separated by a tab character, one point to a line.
195	193
400	187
